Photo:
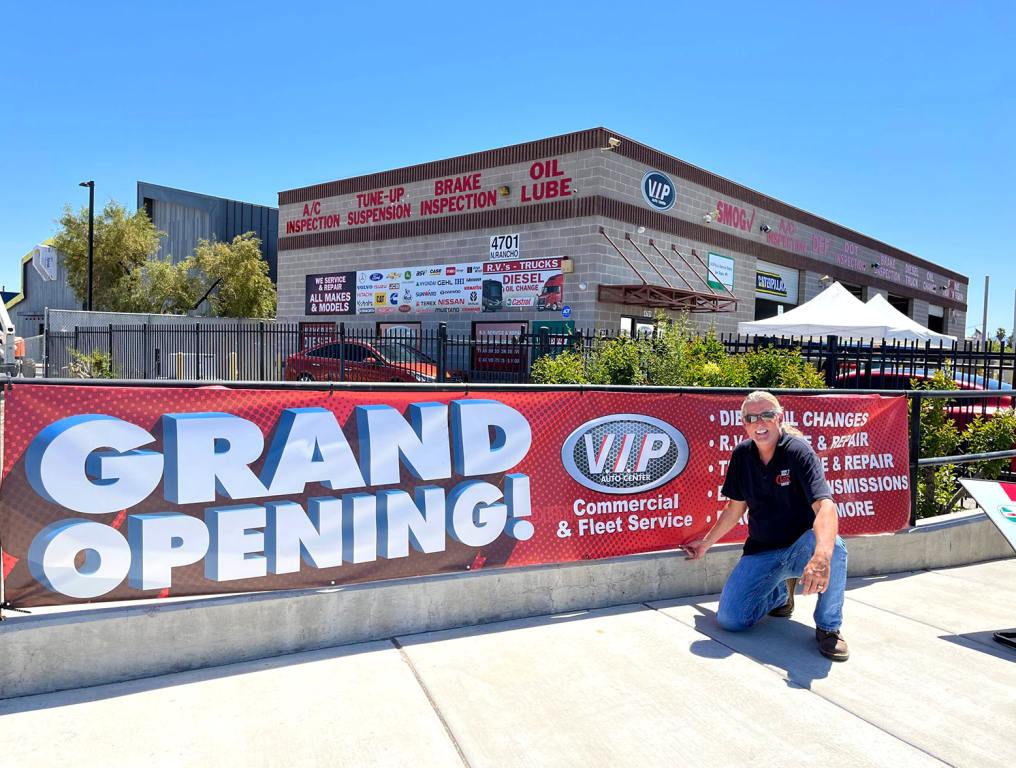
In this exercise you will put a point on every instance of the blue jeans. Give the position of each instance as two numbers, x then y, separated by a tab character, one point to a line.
758	584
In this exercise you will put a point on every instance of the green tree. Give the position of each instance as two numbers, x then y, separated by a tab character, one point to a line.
168	288
235	276
124	243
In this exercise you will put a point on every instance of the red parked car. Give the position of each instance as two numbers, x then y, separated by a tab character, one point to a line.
381	360
962	411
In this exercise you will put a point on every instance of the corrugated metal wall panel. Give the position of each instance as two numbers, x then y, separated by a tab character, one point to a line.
188	216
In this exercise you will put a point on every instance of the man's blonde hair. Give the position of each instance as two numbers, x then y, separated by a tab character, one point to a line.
761	396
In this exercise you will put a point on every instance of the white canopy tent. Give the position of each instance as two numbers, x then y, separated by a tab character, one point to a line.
881	305
836	311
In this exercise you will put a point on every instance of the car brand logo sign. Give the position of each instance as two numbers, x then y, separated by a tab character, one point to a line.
376	276
624	453
659	191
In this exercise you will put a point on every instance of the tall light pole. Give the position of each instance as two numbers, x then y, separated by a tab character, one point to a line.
91	236
984	322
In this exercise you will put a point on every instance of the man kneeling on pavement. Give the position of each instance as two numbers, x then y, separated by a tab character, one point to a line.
777	478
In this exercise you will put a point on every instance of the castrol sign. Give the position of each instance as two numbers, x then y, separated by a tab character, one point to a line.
624	453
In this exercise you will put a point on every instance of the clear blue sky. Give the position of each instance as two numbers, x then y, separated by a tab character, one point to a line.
894	119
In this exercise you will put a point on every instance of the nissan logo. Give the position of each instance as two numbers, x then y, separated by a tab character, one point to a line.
624	453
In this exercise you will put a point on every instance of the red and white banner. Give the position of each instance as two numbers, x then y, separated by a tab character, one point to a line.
116	493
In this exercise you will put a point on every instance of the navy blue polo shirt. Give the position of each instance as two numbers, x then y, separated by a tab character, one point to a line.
779	494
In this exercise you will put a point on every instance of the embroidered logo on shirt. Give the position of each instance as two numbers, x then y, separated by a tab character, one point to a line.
783	478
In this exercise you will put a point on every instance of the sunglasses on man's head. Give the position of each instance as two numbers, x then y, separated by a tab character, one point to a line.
751	418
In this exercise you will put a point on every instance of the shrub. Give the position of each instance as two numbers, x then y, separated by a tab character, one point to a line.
677	356
984	435
939	437
566	368
91	365
773	368
618	361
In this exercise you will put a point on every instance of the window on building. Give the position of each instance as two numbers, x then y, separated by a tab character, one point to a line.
854	289
637	326
902	303
149	204
936	319
765	308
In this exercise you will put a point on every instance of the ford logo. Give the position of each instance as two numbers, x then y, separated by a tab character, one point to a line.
624	453
376	276
659	191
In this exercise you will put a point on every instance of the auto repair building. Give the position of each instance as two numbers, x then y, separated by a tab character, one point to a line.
586	230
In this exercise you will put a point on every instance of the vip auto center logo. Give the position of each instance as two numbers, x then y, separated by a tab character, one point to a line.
659	191
1008	512
624	453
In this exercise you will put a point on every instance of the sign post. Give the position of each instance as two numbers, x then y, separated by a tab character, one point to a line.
998	500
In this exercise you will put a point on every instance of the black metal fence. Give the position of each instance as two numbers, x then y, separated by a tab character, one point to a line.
270	351
877	364
264	351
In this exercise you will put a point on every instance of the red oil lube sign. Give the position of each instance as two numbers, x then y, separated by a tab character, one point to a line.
547	182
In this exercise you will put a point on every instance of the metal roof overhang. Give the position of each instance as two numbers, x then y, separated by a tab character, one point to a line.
654	296
663	297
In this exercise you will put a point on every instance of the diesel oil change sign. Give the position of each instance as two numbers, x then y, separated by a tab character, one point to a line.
117	493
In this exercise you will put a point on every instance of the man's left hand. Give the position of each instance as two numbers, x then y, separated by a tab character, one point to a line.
816	575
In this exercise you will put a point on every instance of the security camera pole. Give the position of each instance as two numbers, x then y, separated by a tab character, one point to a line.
91	236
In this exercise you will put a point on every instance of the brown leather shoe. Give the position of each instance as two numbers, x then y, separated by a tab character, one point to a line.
832	645
784	611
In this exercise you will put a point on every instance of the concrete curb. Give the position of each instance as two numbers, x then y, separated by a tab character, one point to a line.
68	649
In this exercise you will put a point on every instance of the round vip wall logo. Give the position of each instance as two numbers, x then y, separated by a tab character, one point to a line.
624	453
659	191
1008	512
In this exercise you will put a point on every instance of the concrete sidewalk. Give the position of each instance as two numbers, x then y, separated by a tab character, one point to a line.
639	685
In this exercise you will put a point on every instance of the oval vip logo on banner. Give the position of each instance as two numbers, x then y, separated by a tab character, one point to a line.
1009	512
624	453
659	191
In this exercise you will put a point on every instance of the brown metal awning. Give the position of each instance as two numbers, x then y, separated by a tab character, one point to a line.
659	297
653	296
